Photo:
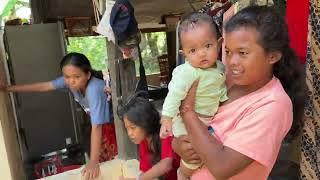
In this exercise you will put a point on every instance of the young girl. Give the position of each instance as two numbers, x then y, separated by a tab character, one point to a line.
265	96
200	45
142	121
88	91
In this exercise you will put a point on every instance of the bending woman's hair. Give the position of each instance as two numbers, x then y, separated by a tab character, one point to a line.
273	37
80	61
142	113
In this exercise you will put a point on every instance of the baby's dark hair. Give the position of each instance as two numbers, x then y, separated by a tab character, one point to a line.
273	37
190	21
143	114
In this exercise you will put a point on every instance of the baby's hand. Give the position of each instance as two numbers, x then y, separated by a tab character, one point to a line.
166	128
107	89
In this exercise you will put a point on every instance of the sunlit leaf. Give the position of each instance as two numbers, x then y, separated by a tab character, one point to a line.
7	9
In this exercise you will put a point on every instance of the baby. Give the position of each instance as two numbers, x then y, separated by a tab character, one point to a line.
200	45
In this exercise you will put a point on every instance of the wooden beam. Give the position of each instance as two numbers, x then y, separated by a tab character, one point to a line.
151	30
171	47
171	23
121	87
152	27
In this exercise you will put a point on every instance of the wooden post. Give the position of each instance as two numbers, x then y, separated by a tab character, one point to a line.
10	158
38	8
171	24
171	47
122	87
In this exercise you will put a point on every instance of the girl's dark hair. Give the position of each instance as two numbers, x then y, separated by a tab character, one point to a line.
143	114
80	61
273	37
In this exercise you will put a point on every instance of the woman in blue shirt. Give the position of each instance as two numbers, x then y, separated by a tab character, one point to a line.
88	91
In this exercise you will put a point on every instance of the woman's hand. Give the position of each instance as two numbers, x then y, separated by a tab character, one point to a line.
91	170
188	103
107	89
182	146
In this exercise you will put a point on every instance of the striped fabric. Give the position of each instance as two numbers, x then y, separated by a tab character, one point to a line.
310	150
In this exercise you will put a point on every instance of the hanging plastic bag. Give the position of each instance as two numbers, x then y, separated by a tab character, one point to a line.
104	28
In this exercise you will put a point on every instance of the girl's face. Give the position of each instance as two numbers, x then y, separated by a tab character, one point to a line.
247	62
135	133
75	78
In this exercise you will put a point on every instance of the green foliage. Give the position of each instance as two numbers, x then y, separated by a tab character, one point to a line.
8	8
94	47
153	45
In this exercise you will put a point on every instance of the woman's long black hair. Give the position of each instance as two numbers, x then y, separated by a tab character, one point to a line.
80	61
273	37
143	114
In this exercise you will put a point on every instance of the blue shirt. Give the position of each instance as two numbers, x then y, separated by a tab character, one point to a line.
94	102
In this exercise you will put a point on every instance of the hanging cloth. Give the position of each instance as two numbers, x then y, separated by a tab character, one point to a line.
297	14
123	21
104	27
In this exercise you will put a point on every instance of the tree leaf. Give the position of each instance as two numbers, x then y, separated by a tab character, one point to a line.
7	9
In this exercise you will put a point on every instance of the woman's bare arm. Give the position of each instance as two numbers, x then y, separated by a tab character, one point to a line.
222	162
34	87
158	170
